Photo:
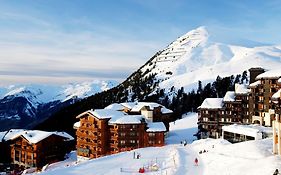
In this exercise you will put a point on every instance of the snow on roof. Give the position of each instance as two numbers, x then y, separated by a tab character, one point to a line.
2	134
127	119
13	133
64	134
165	110
277	94
140	105
77	124
255	84
156	127
212	103
33	136
106	113
241	89
129	105
115	106
249	130
279	80
271	74
229	96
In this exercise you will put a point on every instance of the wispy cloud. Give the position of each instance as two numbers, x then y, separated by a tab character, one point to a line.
57	54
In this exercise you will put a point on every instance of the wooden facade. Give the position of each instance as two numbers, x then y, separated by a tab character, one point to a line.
97	137
233	109
261	104
92	137
48	150
211	120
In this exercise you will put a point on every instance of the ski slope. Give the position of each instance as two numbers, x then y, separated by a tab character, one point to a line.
220	158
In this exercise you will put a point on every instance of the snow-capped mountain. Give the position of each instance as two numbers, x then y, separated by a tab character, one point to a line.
188	59
24	103
194	56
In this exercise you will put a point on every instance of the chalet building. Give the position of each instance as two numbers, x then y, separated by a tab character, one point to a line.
210	116
261	107
107	131
217	112
33	148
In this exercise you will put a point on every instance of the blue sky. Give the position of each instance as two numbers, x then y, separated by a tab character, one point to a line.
62	41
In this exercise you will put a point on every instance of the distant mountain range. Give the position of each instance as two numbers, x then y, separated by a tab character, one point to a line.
25	105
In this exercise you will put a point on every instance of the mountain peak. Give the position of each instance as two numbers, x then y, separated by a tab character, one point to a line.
191	39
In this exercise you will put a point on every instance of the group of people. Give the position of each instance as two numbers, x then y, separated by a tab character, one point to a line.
184	143
204	151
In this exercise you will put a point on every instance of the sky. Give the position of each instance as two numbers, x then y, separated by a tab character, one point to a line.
70	41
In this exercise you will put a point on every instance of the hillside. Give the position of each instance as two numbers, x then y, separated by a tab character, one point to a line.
222	158
22	106
170	75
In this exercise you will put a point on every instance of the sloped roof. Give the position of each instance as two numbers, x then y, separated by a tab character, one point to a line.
106	113
127	119
212	103
33	136
129	105
156	127
166	110
255	84
77	124
241	89
140	105
115	106
229	96
276	95
271	74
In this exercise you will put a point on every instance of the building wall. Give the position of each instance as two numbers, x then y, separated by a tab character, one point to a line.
49	150
96	138
260	103
92	137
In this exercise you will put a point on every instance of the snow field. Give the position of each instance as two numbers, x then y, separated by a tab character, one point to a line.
220	157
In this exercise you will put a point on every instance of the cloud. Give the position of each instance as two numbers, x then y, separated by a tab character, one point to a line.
56	54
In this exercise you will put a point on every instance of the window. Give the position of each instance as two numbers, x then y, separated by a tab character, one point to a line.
132	141
132	133
17	155
151	134
122	142
123	134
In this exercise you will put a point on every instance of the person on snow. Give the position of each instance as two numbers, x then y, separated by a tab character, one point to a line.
276	172
184	143
196	161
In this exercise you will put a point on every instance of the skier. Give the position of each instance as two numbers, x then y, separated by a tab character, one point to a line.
276	172
196	162
184	143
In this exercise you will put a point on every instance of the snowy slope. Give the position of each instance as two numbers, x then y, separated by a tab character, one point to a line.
194	57
221	158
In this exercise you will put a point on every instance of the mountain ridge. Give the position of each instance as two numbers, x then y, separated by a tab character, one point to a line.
173	71
27	104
